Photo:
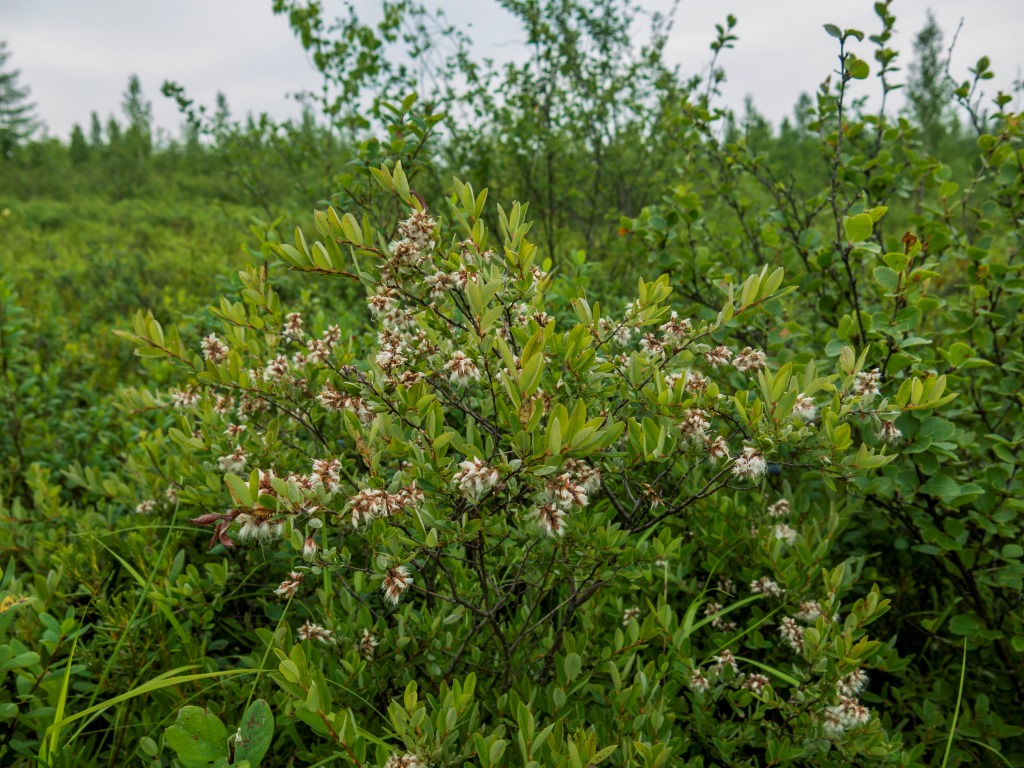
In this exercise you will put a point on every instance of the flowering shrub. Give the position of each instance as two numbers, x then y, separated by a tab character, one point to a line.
590	515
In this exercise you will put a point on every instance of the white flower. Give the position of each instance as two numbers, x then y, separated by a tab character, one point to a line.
382	302
698	681
629	614
696	382
583	474
293	325
276	369
564	493
717	448
367	644
258	529
792	634
780	508
749	464
889	433
783	532
310	547
185	398
718	356
233	463
675	330
756	683
461	369
651	345
551	519
865	384
695	424
809	612
408	760
311	631
622	334
475	478
396	581
215	350
726	659
766	586
418	228
749	359
852	684
805	408
290	586
145	507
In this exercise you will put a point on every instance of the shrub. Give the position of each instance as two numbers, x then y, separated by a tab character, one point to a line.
514	490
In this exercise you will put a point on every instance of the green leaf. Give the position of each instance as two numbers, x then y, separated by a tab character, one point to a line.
964	625
887	278
573	665
198	737
257	731
858	228
858	68
834	31
941	486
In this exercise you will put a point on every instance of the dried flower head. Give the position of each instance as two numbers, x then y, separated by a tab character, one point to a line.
290	585
145	507
865	384
853	684
461	369
756	683
718	448
563	492
889	432
551	519
784	533
766	586
749	464
792	634
805	408
396	581
293	325
698	681
749	359
215	350
367	644
475	478
311	631
408	760
718	356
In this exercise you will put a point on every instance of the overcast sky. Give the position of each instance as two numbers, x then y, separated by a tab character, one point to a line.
76	55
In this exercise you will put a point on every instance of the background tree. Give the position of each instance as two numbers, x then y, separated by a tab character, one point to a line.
17	115
929	91
78	149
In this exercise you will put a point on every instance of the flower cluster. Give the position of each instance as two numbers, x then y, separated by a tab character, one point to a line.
461	370
215	350
290	585
396	581
311	631
750	464
371	503
475	478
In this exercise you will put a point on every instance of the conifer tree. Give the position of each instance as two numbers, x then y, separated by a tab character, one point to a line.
17	115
